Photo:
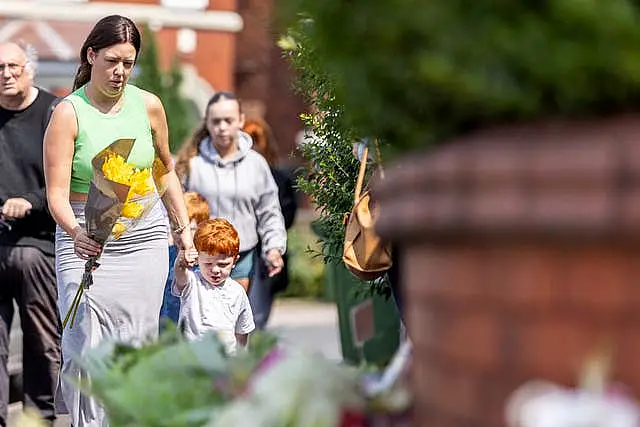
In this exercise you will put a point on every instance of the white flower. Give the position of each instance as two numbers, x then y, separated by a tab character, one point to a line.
300	391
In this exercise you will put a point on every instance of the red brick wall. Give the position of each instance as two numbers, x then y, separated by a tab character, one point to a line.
215	54
231	5
131	1
215	58
285	106
263	78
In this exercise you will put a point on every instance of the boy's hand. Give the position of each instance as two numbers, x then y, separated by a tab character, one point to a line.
274	262
187	258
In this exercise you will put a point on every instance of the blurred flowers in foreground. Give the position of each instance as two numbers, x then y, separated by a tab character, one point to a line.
179	383
595	403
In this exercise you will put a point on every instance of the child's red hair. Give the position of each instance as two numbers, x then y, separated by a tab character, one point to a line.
217	236
197	207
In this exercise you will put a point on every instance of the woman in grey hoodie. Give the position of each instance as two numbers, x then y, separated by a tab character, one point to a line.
237	183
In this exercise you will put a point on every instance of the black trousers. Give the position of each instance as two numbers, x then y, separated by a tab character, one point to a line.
28	277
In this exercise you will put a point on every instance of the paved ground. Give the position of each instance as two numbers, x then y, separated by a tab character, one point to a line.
309	325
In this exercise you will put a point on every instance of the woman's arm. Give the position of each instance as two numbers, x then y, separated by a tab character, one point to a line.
173	198
271	229
58	158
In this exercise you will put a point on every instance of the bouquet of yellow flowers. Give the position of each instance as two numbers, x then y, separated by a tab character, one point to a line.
141	190
119	195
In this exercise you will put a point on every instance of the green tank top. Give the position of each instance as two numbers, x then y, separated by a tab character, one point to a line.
97	130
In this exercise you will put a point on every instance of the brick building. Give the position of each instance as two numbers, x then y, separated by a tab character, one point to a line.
263	78
222	45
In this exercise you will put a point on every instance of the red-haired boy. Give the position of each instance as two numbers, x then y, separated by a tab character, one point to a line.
210	300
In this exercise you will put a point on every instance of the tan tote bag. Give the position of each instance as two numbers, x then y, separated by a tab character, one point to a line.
365	255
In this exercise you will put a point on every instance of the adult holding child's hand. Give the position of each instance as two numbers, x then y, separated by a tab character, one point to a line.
237	183
127	289
187	258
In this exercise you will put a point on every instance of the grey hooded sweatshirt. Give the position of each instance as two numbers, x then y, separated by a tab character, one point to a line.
242	190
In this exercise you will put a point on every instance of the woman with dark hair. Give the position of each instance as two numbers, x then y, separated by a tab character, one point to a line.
126	295
219	164
264	288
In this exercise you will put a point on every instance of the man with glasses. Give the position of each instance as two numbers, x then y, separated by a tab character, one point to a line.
27	262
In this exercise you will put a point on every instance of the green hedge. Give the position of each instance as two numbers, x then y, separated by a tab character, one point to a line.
306	269
416	72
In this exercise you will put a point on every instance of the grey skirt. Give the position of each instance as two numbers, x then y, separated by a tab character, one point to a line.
122	304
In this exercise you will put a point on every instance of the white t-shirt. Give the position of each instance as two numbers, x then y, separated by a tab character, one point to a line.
223	309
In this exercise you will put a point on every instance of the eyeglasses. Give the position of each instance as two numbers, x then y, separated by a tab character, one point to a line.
14	69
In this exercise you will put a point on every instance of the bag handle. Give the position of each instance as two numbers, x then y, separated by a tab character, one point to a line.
363	167
361	173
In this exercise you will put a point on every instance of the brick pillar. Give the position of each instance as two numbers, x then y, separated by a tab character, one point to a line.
519	254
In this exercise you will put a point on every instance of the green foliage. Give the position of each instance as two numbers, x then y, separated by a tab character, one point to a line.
328	148
330	179
306	269
171	382
416	72
181	116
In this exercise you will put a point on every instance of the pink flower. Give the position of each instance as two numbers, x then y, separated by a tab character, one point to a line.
275	356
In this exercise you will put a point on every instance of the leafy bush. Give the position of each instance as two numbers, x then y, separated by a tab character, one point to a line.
417	72
306	269
333	169
170	382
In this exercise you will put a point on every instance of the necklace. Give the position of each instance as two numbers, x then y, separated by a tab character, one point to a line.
113	106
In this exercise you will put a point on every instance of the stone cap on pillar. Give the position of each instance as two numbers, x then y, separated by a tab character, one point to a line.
569	179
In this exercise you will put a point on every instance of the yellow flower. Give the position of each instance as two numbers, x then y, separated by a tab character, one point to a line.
115	168
132	210
141	183
118	229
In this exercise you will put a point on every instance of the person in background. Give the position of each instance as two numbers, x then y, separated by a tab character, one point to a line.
198	211
27	262
210	300
263	287
237	183
126	295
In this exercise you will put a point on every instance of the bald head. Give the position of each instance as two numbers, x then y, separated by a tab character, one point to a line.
20	54
16	74
13	49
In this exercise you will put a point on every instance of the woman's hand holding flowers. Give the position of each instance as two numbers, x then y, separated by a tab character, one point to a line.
84	246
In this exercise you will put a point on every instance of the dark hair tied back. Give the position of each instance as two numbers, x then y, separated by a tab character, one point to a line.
108	31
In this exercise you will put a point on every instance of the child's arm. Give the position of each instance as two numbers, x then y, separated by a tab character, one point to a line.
242	339
180	274
244	323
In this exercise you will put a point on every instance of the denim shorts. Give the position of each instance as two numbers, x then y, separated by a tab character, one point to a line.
245	265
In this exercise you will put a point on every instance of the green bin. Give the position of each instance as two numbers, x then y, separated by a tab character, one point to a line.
369	325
